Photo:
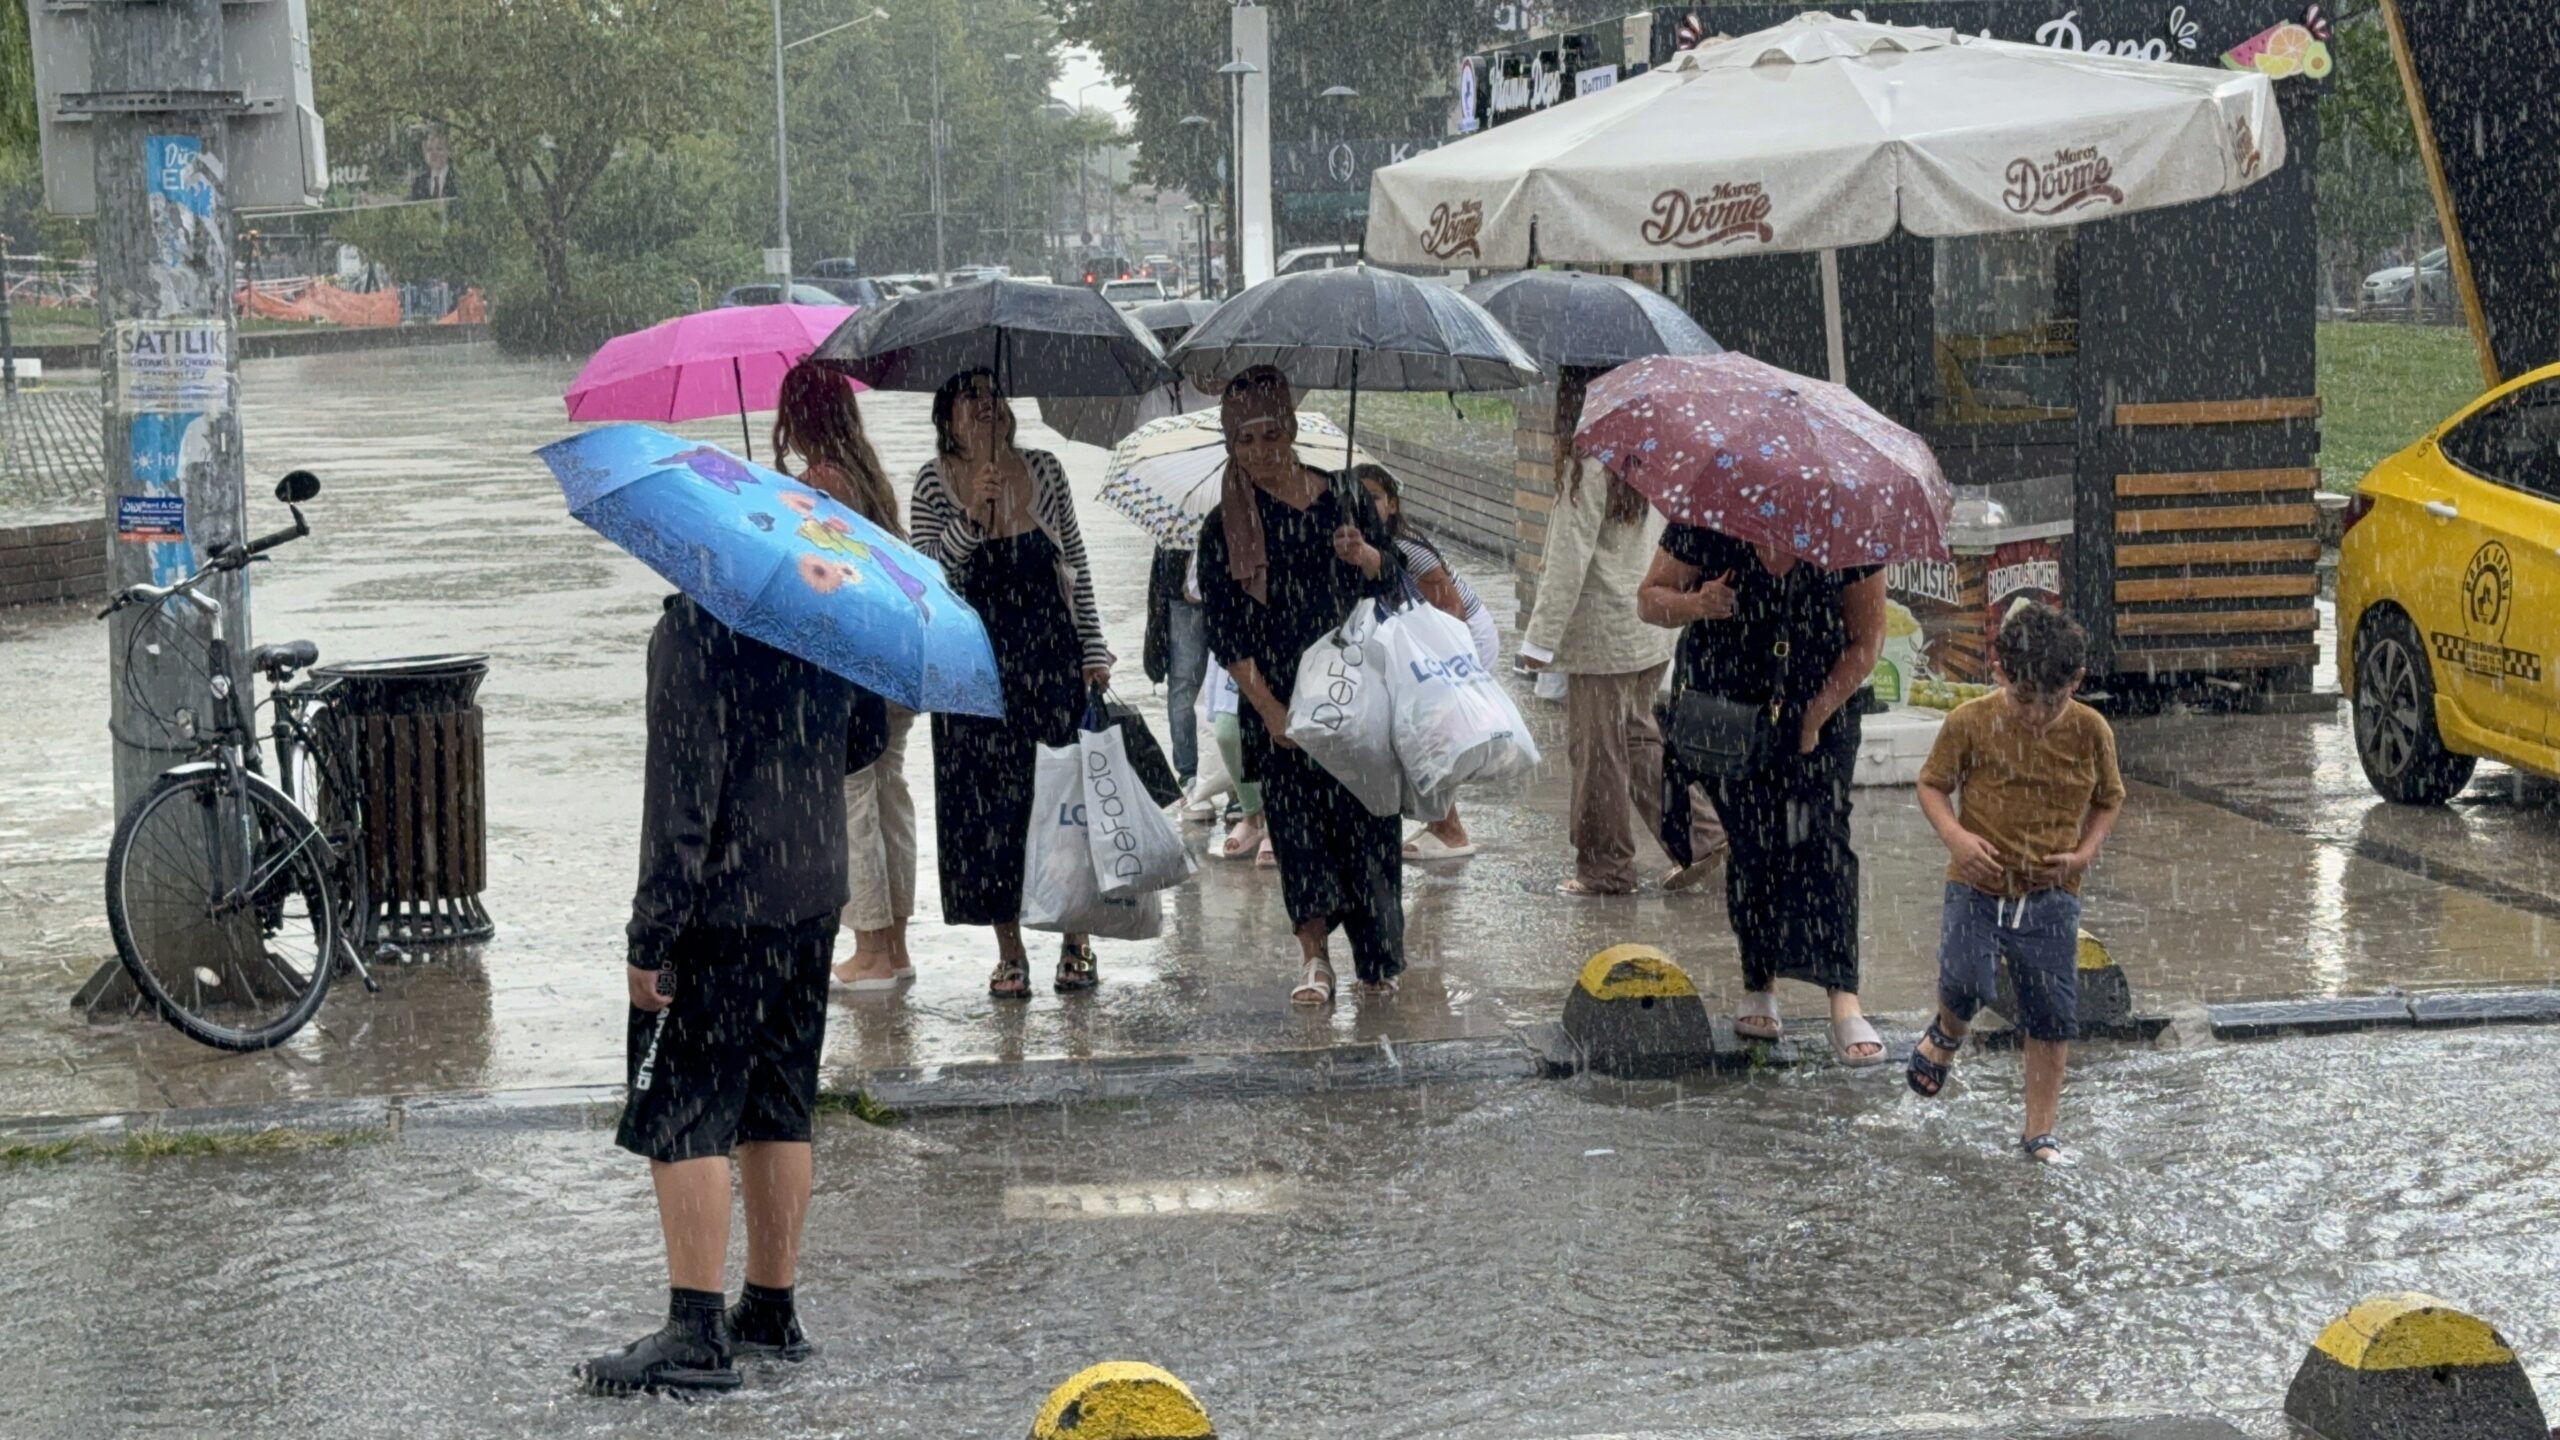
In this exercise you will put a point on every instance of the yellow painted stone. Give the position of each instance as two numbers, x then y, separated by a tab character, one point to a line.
2411	1332
2093	952
1122	1400
1634	972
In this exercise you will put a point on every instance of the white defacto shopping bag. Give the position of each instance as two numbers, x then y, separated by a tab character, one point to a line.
1453	722
1135	849
1061	892
1340	714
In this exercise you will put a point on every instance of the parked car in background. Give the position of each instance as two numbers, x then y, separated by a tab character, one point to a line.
2449	598
1335	257
770	293
1126	295
963	274
850	290
2395	287
897	285
839	267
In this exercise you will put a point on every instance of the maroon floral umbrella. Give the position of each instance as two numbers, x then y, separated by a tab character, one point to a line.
1762	454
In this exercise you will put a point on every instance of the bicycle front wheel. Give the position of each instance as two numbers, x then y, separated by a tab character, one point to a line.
220	900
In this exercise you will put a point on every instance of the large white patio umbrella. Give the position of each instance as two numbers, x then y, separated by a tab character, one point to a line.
1822	133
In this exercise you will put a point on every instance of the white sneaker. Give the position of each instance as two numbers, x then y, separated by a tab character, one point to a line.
1199	812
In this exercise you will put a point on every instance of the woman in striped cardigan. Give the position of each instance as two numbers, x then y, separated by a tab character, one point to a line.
1001	521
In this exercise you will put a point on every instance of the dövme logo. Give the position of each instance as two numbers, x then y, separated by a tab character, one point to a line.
2068	181
1110	810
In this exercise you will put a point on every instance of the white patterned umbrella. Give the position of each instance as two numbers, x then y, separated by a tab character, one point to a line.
1167	476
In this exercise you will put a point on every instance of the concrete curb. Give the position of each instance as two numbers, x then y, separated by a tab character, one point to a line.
1530	1052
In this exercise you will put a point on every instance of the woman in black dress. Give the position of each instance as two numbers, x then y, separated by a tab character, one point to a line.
1002	524
1763	625
1288	554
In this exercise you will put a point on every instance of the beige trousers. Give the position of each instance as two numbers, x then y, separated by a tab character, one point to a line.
880	835
1616	749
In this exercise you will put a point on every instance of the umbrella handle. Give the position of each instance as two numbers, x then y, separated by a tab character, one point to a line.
738	378
1351	420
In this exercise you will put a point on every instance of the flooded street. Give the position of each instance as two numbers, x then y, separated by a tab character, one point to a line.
1811	1254
439	531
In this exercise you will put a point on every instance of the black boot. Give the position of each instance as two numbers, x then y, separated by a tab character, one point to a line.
766	1325
688	1353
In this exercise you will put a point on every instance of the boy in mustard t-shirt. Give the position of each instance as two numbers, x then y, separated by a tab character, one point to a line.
2034	772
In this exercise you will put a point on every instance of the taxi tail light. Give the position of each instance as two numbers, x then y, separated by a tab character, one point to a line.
2359	505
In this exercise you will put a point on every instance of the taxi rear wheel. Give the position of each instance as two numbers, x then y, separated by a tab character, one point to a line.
2404	758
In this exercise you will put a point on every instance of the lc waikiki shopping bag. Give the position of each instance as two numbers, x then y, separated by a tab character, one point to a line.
1453	723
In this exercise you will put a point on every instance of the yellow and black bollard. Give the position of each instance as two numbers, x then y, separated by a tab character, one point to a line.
2411	1367
2106	996
1634	1013
1122	1400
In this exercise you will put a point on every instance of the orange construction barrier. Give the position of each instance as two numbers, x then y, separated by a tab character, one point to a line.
471	309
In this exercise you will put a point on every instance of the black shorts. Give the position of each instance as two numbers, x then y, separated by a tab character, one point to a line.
736	1060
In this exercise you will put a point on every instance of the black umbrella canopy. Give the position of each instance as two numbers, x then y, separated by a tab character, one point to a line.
1170	320
1038	339
1570	318
1357	327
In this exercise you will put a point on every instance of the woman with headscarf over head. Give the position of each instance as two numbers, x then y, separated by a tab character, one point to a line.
1288	554
818	424
1001	521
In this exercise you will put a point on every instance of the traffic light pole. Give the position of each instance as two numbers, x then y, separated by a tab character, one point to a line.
159	113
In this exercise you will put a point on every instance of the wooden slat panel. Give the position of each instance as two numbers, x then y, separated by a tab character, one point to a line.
2215	622
2217	517
2219	552
2221	412
2225	658
2217	587
2217	482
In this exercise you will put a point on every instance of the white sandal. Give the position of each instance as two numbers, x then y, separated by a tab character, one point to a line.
1311	990
1225	848
1852	1032
1427	847
1756	1018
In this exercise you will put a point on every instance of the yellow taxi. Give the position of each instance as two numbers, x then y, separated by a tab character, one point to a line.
2449	598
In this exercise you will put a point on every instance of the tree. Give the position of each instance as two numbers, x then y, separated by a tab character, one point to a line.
2372	187
1396	53
542	97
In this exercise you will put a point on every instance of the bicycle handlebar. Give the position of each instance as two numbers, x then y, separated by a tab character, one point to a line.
218	559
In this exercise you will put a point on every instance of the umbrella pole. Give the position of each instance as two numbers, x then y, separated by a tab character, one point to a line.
739	379
1351	420
1834	332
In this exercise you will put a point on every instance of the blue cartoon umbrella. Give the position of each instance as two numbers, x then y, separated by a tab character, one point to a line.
776	560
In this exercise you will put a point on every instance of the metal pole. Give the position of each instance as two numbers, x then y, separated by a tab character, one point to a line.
8	350
781	159
941	265
163	235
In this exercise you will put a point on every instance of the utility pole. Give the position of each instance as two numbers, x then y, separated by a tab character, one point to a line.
781	159
8	348
935	138
172	435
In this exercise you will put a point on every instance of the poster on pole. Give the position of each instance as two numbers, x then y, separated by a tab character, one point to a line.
173	367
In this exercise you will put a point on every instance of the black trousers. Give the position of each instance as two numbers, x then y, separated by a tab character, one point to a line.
1791	884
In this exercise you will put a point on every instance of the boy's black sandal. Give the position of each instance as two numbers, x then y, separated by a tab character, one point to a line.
1928	1076
2037	1145
673	1358
1077	968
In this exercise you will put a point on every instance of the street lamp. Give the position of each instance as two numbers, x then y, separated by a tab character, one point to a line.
1084	171
1339	93
1235	71
782	131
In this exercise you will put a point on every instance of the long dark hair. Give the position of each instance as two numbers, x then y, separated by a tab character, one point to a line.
818	420
946	398
1369	473
1626	502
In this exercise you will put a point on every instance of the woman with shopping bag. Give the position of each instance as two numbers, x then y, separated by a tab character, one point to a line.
1002	523
1289	554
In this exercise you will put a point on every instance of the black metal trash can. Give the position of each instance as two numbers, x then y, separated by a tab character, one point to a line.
414	728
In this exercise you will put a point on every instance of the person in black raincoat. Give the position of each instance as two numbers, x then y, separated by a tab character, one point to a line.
733	925
1288	554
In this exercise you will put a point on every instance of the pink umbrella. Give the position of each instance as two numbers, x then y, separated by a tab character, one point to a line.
703	364
1735	445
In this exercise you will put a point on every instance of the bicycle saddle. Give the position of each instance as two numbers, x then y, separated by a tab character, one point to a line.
278	662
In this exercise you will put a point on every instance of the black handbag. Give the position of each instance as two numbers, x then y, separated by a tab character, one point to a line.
1164	578
1720	738
1146	754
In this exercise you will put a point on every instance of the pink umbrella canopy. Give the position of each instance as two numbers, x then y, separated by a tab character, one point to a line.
1731	444
717	362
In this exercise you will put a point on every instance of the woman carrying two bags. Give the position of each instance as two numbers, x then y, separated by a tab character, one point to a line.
1288	554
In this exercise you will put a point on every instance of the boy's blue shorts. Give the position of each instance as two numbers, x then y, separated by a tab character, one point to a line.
2039	934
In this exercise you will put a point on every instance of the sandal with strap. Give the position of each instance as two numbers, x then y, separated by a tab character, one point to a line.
1927	1076
2043	1148
1315	983
1012	980
1756	1018
1077	968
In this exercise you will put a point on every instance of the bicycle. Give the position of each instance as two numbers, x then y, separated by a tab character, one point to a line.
233	907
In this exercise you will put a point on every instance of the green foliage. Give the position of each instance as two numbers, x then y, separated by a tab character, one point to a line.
17	82
2372	189
858	1105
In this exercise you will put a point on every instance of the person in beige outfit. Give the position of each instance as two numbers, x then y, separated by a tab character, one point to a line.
1600	539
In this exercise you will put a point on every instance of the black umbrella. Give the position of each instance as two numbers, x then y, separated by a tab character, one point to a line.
1038	339
1170	320
1571	318
1342	329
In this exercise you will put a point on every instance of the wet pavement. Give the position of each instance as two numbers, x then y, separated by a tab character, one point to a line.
2248	876
1814	1253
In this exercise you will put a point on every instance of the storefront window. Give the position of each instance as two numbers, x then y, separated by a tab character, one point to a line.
2008	327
